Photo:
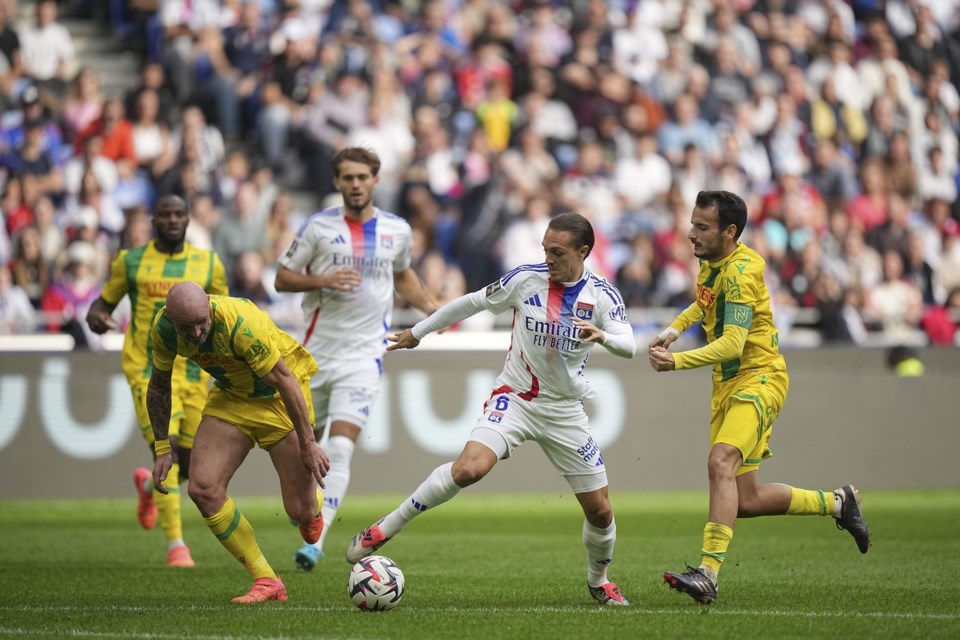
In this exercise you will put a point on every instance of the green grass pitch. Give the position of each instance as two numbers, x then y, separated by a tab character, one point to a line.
490	567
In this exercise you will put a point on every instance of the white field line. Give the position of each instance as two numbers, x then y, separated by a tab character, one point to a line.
633	610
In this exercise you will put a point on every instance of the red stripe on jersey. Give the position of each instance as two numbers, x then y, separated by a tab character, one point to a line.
313	324
554	302
356	236
534	383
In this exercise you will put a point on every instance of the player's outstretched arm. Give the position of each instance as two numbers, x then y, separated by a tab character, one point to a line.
100	316
313	457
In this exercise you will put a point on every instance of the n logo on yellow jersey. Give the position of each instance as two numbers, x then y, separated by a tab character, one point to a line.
741	315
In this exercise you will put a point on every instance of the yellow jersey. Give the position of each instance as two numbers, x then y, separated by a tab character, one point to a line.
243	346
733	293
146	274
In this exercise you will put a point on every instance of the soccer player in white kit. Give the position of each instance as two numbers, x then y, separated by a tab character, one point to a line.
348	260
560	311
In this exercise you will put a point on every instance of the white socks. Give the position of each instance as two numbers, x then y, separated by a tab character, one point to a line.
432	492
599	544
339	450
837	504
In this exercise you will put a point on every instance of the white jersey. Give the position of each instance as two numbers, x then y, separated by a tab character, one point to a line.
546	359
349	325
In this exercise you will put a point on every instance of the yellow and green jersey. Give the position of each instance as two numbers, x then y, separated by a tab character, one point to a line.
242	347
732	296
146	274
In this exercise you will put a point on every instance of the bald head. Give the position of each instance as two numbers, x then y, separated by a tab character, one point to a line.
188	308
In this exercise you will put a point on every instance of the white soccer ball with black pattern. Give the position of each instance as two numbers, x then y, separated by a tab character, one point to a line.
375	584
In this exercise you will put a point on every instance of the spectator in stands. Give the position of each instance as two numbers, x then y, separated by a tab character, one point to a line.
32	159
47	50
52	239
329	117
153	78
917	270
240	231
869	209
901	173
247	280
833	118
283	94
895	303
864	267
91	160
197	141
83	104
17	315
644	176
69	296
686	127
182	22
30	271
936	182
204	218
10	41
152	143
832	175
892	235
17	208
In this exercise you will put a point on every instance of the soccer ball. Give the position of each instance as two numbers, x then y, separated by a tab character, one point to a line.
375	584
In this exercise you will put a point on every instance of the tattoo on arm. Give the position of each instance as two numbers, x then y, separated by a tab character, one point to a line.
158	403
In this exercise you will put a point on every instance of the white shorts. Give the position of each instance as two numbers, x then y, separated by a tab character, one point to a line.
346	391
561	428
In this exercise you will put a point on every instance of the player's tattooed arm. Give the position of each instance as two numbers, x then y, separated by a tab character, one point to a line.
159	395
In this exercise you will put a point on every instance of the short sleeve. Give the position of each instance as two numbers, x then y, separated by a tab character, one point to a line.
301	251
117	284
402	260
251	341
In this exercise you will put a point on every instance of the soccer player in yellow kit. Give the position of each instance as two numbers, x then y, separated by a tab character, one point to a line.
750	385
261	396
146	274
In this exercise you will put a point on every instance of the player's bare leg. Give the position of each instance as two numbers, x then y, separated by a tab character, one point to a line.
298	488
474	462
599	537
218	451
701	583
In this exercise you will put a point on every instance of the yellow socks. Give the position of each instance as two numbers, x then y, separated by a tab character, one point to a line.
168	506
804	502
716	539
236	535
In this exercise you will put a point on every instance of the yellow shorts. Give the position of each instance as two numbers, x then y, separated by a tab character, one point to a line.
766	392
264	420
186	407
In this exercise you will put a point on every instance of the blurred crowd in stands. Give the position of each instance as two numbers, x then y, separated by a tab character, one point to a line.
836	120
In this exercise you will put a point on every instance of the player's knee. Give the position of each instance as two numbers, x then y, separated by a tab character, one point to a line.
467	473
203	495
748	507
599	515
721	465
